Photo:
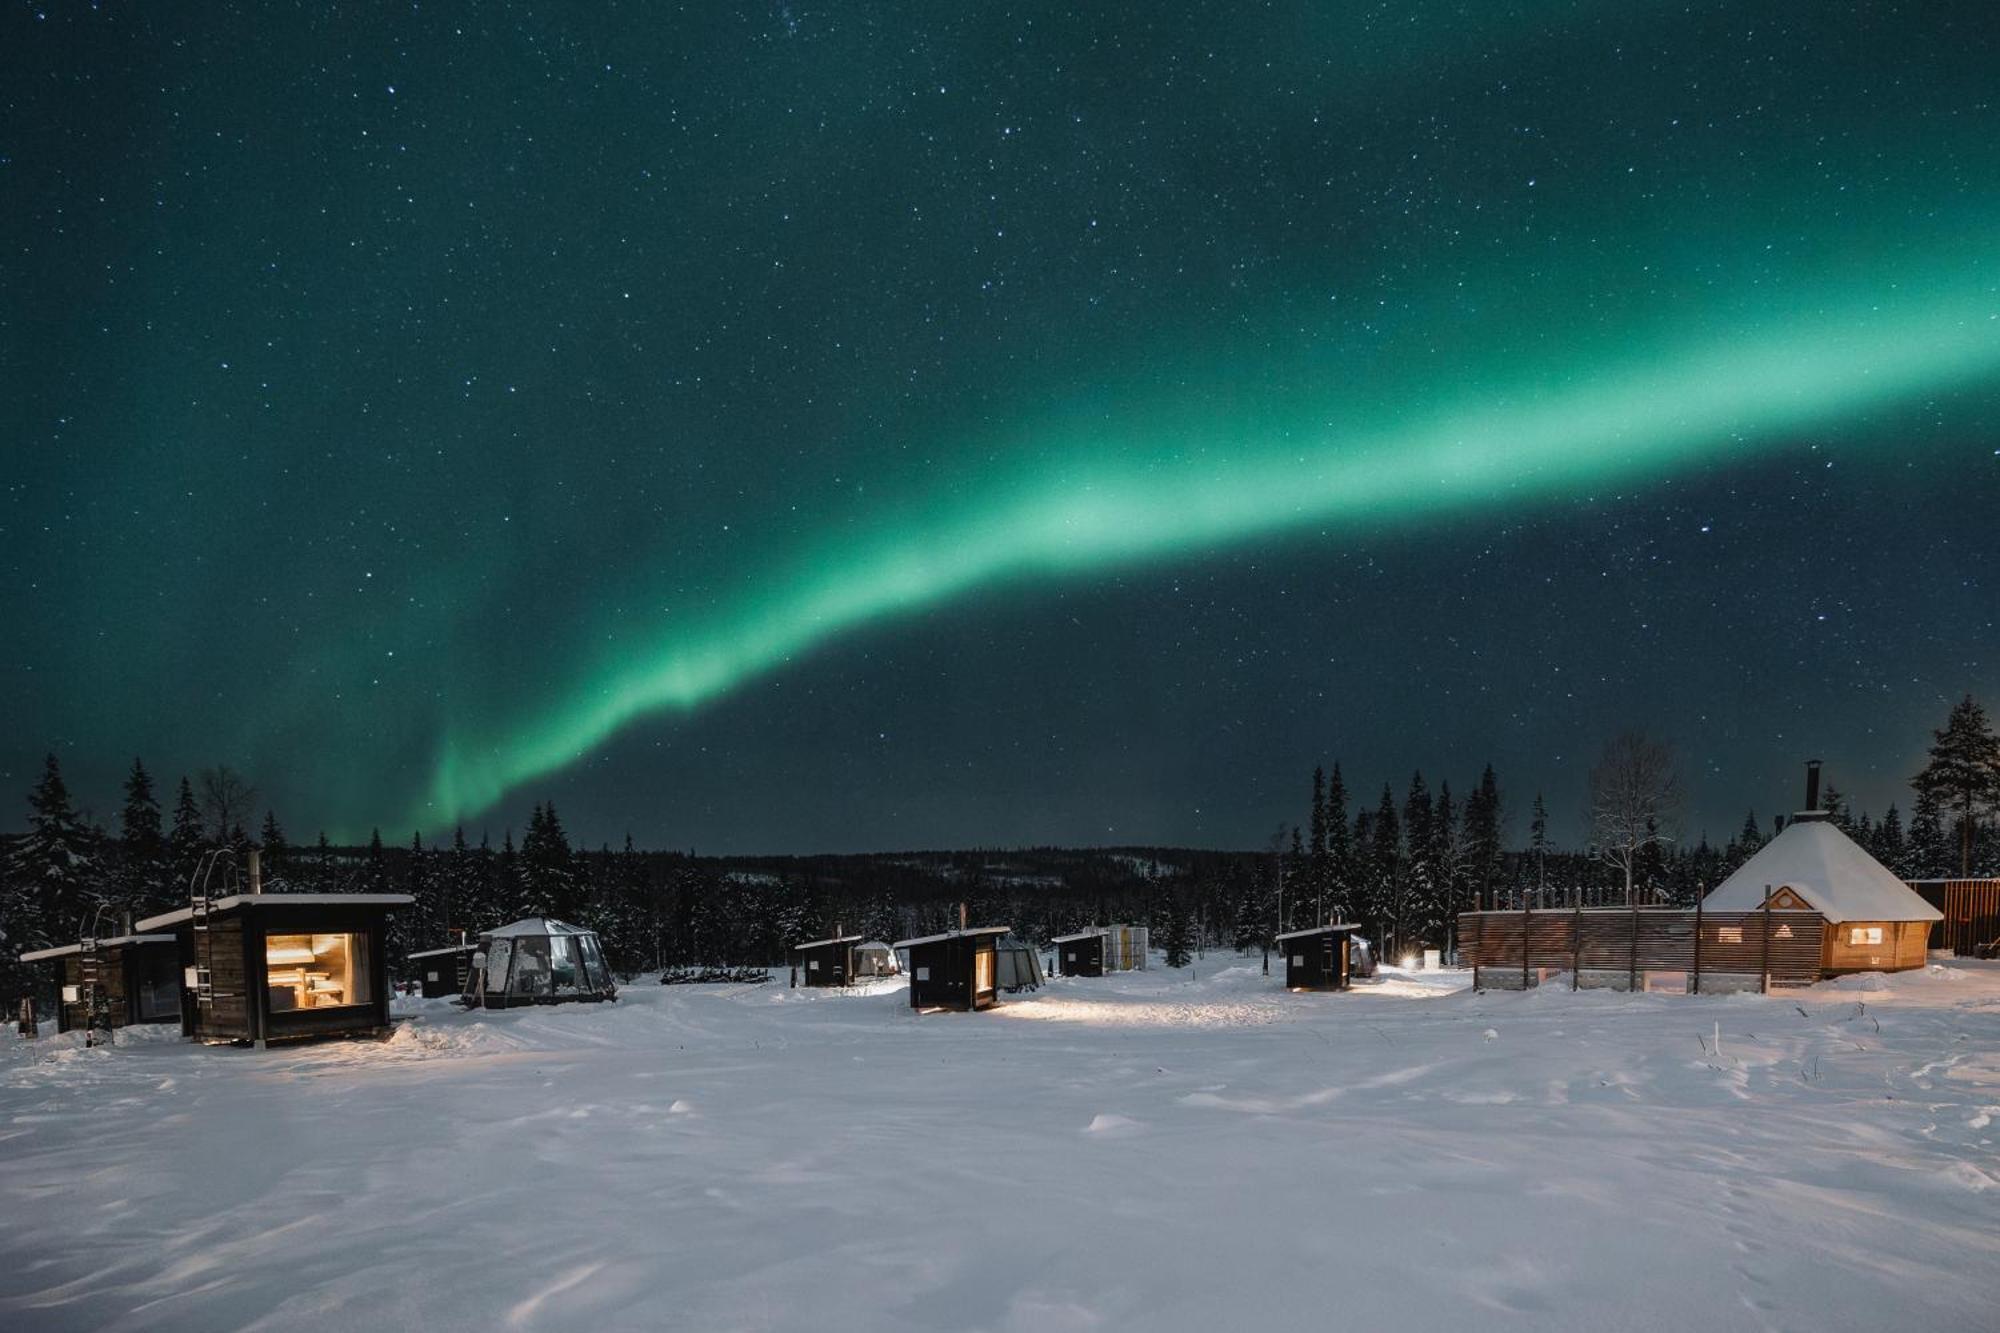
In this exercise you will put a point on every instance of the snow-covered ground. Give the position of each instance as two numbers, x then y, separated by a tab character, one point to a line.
1157	1151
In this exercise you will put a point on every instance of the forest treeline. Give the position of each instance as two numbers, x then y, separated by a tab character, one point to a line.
1402	862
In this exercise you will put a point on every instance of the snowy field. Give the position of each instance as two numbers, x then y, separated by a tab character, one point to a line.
1159	1151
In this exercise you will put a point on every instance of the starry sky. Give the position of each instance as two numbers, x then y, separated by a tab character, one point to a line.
786	428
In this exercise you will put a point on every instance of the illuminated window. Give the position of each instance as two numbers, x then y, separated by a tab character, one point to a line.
1729	934
1864	935
316	971
982	971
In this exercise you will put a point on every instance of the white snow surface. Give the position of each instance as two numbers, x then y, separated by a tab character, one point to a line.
1191	1149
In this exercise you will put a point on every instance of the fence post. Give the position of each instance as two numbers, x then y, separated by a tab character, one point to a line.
1632	982
1576	947
1527	928
1695	988
1767	940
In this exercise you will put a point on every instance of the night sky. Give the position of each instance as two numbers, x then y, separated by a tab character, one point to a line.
786	428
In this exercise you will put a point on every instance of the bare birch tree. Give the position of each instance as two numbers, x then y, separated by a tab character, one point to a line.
1635	801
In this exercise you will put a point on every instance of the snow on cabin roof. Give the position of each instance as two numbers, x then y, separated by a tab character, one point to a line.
951	935
535	925
63	950
1828	869
820	944
1097	934
439	953
236	900
1317	930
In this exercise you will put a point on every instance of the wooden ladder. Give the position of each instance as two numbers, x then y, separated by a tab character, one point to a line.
96	1018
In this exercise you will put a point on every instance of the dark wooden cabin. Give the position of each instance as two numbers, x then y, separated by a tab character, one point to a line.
138	978
1081	954
827	962
442	973
1317	959
956	970
1969	911
264	967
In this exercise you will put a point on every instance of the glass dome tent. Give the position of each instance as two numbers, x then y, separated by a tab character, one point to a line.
537	961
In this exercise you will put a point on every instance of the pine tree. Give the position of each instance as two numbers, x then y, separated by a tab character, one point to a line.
1386	872
1929	855
1483	850
273	856
53	877
1539	846
375	870
145	875
1891	849
1422	876
1317	878
187	841
1177	933
507	891
1963	774
1339	849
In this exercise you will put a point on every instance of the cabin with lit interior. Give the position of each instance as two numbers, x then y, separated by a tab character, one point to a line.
1317	959
265	967
124	980
442	973
828	962
1874	921
955	970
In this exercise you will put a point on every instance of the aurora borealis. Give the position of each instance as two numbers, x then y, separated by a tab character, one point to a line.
784	429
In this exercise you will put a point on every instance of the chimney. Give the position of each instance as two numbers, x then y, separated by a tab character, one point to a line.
256	871
125	920
961	916
1812	784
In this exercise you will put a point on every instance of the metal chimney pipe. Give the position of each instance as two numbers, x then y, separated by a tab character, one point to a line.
256	871
1812	784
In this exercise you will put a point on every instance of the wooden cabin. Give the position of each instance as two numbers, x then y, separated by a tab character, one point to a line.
955	970
129	979
1969	912
1874	921
538	960
264	967
828	962
1081	954
442	973
1317	959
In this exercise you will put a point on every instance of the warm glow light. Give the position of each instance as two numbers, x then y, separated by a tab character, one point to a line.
1409	962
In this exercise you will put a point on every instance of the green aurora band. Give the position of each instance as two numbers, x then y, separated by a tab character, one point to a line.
1721	397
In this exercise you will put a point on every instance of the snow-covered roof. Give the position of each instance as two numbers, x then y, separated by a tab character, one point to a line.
535	925
1828	869
953	934
439	953
820	944
63	950
1317	930
873	945
1096	934
236	900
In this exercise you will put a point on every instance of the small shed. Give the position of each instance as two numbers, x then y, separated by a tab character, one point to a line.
955	970
1874	921
538	960
266	967
1317	959
443	972
876	959
1081	954
828	962
124	980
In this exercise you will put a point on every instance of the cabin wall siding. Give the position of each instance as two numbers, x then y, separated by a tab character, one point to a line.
1657	948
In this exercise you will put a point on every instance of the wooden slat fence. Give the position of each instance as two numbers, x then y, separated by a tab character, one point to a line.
1652	948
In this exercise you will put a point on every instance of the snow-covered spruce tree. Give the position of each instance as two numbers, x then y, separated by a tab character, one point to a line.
1890	847
1963	776
1177	933
275	858
1319	880
1539	848
185	843
1339	849
1483	851
1422	876
1385	872
55	870
145	875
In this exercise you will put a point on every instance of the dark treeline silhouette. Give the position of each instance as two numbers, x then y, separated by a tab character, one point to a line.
1403	862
